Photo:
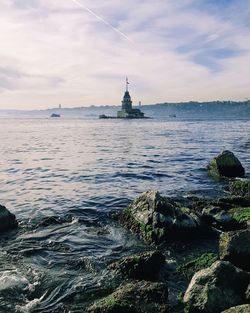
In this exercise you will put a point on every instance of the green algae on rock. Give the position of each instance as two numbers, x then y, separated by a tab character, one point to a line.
235	247
240	188
157	219
188	269
135	297
217	288
7	220
146	266
226	164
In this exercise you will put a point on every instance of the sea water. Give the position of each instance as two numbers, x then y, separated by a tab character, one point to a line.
64	178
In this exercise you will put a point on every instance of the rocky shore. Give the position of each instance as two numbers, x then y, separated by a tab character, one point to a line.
198	257
199	251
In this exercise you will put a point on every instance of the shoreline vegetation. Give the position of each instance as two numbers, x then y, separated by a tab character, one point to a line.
198	256
192	109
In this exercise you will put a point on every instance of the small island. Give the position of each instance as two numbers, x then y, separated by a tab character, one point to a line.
55	115
127	111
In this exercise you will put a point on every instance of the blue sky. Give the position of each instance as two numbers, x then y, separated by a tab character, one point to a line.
78	52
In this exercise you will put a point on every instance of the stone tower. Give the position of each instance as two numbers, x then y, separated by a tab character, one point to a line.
127	109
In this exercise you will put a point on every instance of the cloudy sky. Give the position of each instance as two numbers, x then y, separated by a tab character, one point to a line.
78	52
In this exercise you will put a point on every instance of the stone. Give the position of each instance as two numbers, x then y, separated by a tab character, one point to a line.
240	188
7	220
216	288
135	297
235	248
157	219
144	266
219	218
245	308
226	164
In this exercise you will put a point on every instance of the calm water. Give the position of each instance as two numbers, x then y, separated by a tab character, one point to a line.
79	171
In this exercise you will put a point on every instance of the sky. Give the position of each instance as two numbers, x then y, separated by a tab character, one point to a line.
79	52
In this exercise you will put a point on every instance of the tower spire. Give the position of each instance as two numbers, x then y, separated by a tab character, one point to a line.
127	83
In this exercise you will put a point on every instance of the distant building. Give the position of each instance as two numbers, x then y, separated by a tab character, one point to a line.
127	109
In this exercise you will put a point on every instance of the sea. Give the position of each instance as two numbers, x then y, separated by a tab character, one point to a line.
66	179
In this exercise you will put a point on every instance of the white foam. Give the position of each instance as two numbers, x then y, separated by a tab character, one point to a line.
13	280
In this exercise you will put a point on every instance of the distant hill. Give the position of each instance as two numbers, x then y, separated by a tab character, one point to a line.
213	110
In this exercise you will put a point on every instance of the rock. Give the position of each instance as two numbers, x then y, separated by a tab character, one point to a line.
248	294
205	260
240	188
7	219
235	248
156	219
226	165
146	266
136	297
219	218
216	288
245	308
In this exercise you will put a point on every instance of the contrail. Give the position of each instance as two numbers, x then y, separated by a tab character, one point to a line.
102	20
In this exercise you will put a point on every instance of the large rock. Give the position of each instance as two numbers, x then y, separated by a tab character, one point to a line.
217	288
136	297
226	165
235	247
245	308
156	218
7	219
146	266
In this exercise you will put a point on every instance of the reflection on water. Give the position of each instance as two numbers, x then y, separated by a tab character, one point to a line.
62	178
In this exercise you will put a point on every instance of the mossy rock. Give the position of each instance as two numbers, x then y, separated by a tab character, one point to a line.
244	308
240	188
136	297
158	219
226	164
188	269
217	288
235	247
145	266
242	215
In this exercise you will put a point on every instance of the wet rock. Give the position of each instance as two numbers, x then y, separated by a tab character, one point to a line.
248	294
54	220
157	219
7	220
219	218
232	202
136	297
145	266
205	260
216	288
226	165
245	308
240	188
235	247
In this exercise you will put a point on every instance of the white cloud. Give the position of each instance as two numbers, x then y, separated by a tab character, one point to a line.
55	52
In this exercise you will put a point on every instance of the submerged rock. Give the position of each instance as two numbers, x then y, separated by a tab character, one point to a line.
245	308
217	288
7	219
240	188
226	165
136	297
235	247
146	266
156	219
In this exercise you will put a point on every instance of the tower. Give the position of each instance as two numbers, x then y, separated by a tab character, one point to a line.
127	110
126	102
